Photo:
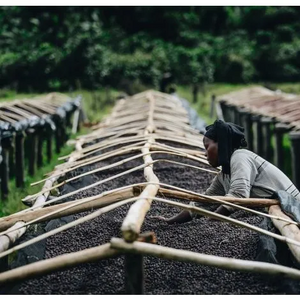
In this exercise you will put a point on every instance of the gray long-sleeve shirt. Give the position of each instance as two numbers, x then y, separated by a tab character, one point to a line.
251	176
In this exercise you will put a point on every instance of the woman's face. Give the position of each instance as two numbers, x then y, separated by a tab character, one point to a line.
211	152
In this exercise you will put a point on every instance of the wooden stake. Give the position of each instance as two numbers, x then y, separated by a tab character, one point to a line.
32	136
19	139
134	274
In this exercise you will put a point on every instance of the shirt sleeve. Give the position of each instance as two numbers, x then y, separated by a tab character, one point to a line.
216	188
242	175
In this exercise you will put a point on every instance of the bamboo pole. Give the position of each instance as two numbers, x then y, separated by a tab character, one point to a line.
65	209
249	202
205	259
32	110
60	262
134	219
8	239
67	226
288	230
231	201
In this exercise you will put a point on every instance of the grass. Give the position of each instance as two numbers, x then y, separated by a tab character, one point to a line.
96	104
7	95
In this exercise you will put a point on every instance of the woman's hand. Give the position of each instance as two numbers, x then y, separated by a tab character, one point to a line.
221	210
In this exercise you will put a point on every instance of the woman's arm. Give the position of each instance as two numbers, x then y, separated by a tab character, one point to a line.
216	188
242	177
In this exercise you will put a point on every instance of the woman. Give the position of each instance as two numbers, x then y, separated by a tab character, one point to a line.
244	174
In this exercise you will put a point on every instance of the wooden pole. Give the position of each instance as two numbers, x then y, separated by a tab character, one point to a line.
295	150
12	166
205	259
32	136
40	140
8	239
62	228
49	137
212	106
267	145
65	209
19	154
57	135
249	130
258	135
4	168
133	221
61	262
280	130
288	230
248	202
224	109
134	274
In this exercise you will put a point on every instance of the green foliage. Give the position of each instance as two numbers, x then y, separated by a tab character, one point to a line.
66	48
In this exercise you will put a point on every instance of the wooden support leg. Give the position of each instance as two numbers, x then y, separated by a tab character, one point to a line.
63	135
224	109
33	151
267	145
231	113
4	171
3	264
49	146
258	137
280	130
237	116
40	139
212	106
12	166
248	130
295	149
19	155
57	139
134	274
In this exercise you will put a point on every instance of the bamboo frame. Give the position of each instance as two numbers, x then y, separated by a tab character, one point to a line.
133	221
111	128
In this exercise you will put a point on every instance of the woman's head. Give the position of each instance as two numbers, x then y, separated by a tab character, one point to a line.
220	141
